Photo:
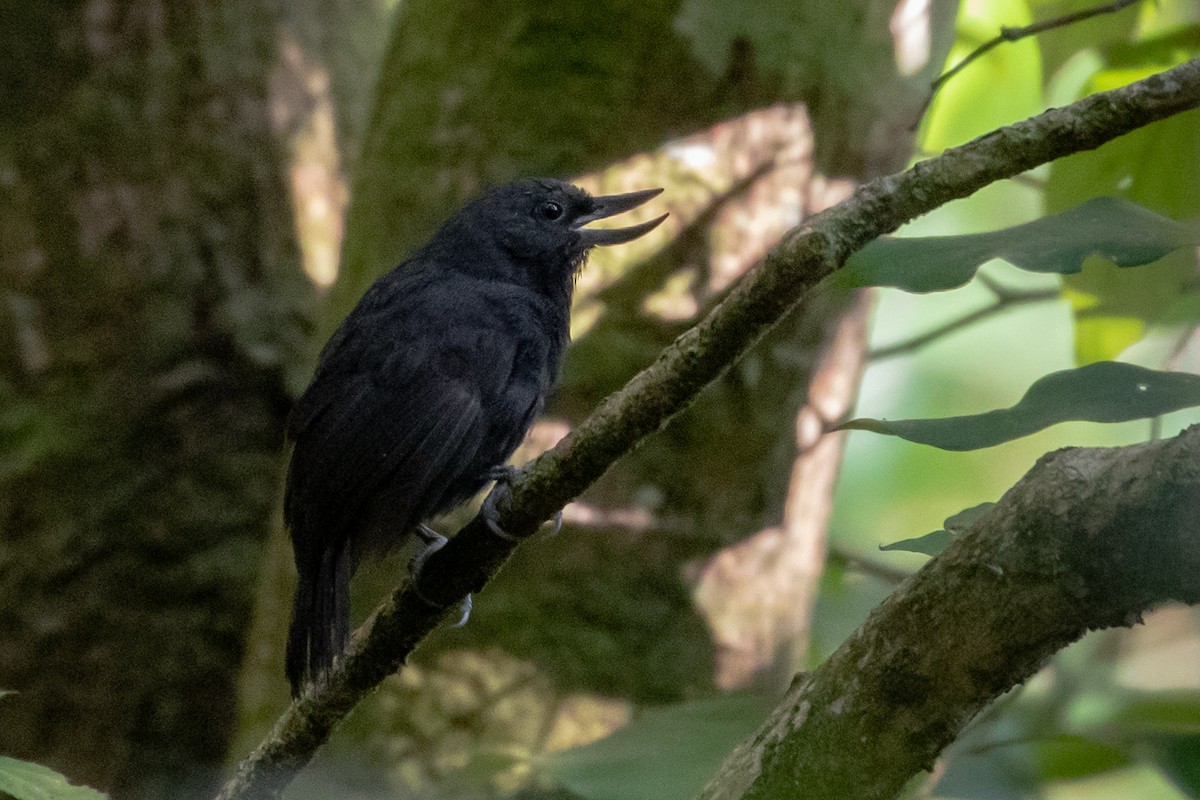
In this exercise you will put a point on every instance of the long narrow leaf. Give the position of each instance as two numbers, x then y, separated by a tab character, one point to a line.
935	542
1107	391
1122	232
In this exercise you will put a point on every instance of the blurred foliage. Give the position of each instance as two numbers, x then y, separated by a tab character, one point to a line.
1155	166
25	781
935	542
999	88
688	742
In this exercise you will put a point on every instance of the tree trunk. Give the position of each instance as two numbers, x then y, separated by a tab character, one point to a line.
151	300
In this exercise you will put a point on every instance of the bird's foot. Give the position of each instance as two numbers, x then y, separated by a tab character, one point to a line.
502	473
434	541
489	514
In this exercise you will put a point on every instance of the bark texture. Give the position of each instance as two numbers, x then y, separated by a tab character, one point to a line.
1090	538
150	297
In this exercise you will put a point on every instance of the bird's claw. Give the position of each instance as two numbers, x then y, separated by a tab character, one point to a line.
430	536
465	609
488	512
502	473
434	541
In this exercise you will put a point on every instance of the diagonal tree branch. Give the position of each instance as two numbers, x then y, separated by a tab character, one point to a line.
1089	538
804	257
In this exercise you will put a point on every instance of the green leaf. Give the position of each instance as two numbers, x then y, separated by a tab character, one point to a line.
1107	391
1154	166
1131	715
1122	232
967	517
1162	726
666	754
1163	712
1100	336
26	781
1178	758
1067	757
931	544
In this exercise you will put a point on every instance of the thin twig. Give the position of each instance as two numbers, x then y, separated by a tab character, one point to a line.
1003	301
867	565
1016	34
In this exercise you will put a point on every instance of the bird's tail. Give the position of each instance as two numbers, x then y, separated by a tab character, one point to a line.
320	617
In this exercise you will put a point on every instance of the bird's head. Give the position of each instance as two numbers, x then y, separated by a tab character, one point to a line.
540	225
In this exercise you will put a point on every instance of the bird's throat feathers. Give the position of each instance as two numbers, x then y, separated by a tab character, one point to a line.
549	268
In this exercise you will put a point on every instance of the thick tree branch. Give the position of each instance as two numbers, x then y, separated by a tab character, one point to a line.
805	256
1089	538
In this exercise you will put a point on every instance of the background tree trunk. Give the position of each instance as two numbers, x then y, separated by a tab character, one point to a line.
151	298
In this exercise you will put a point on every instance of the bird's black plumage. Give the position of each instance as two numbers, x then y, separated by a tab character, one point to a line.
428	385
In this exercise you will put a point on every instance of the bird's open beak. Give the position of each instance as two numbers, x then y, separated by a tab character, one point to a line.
611	204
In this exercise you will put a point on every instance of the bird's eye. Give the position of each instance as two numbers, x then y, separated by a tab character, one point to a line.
550	210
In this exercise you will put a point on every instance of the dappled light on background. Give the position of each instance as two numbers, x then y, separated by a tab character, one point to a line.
302	114
758	595
466	708
911	35
732	191
757	176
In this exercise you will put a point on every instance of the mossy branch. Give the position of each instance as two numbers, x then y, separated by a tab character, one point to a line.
789	272
1090	538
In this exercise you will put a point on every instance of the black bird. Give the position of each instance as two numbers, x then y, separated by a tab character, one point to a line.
428	386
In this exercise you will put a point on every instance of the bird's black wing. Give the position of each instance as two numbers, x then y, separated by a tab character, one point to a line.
419	393
394	427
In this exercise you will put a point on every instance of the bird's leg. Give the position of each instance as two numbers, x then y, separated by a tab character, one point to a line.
433	541
505	473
